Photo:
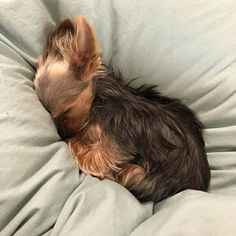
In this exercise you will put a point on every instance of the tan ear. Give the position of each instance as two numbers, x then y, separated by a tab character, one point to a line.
54	47
86	37
87	52
75	42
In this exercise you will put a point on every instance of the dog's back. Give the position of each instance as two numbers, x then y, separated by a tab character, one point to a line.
156	133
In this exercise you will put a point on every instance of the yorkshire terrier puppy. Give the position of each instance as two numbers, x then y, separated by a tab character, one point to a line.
149	143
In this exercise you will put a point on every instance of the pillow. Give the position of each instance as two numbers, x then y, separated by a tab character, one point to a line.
185	47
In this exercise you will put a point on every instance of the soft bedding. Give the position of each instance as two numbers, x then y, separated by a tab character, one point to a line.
188	48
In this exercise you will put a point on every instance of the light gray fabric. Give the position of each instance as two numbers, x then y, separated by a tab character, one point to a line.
186	47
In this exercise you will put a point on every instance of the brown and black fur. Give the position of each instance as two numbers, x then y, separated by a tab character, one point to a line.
149	143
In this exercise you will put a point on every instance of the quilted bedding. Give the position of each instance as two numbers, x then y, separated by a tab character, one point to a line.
186	47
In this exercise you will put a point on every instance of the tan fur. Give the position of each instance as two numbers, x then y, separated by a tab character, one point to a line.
59	68
98	156
81	48
72	49
77	113
131	175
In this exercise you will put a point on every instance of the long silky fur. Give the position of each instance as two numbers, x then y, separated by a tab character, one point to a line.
150	143
160	134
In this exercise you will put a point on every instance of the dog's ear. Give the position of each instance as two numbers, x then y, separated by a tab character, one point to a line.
75	42
86	53
86	41
54	42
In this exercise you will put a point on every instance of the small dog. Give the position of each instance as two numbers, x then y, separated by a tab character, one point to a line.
149	143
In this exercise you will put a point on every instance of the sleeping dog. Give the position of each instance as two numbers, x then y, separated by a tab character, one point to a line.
147	142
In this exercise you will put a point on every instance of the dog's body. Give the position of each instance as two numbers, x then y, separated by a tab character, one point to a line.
149	143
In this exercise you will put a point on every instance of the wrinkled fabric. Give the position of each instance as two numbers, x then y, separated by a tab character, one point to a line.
186	47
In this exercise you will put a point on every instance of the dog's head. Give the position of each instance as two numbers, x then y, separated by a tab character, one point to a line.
66	83
67	68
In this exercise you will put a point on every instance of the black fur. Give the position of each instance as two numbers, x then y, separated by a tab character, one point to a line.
160	133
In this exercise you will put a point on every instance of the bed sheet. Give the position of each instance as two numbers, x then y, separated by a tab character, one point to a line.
186	47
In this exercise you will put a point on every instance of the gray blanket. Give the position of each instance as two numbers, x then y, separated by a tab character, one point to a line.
186	47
